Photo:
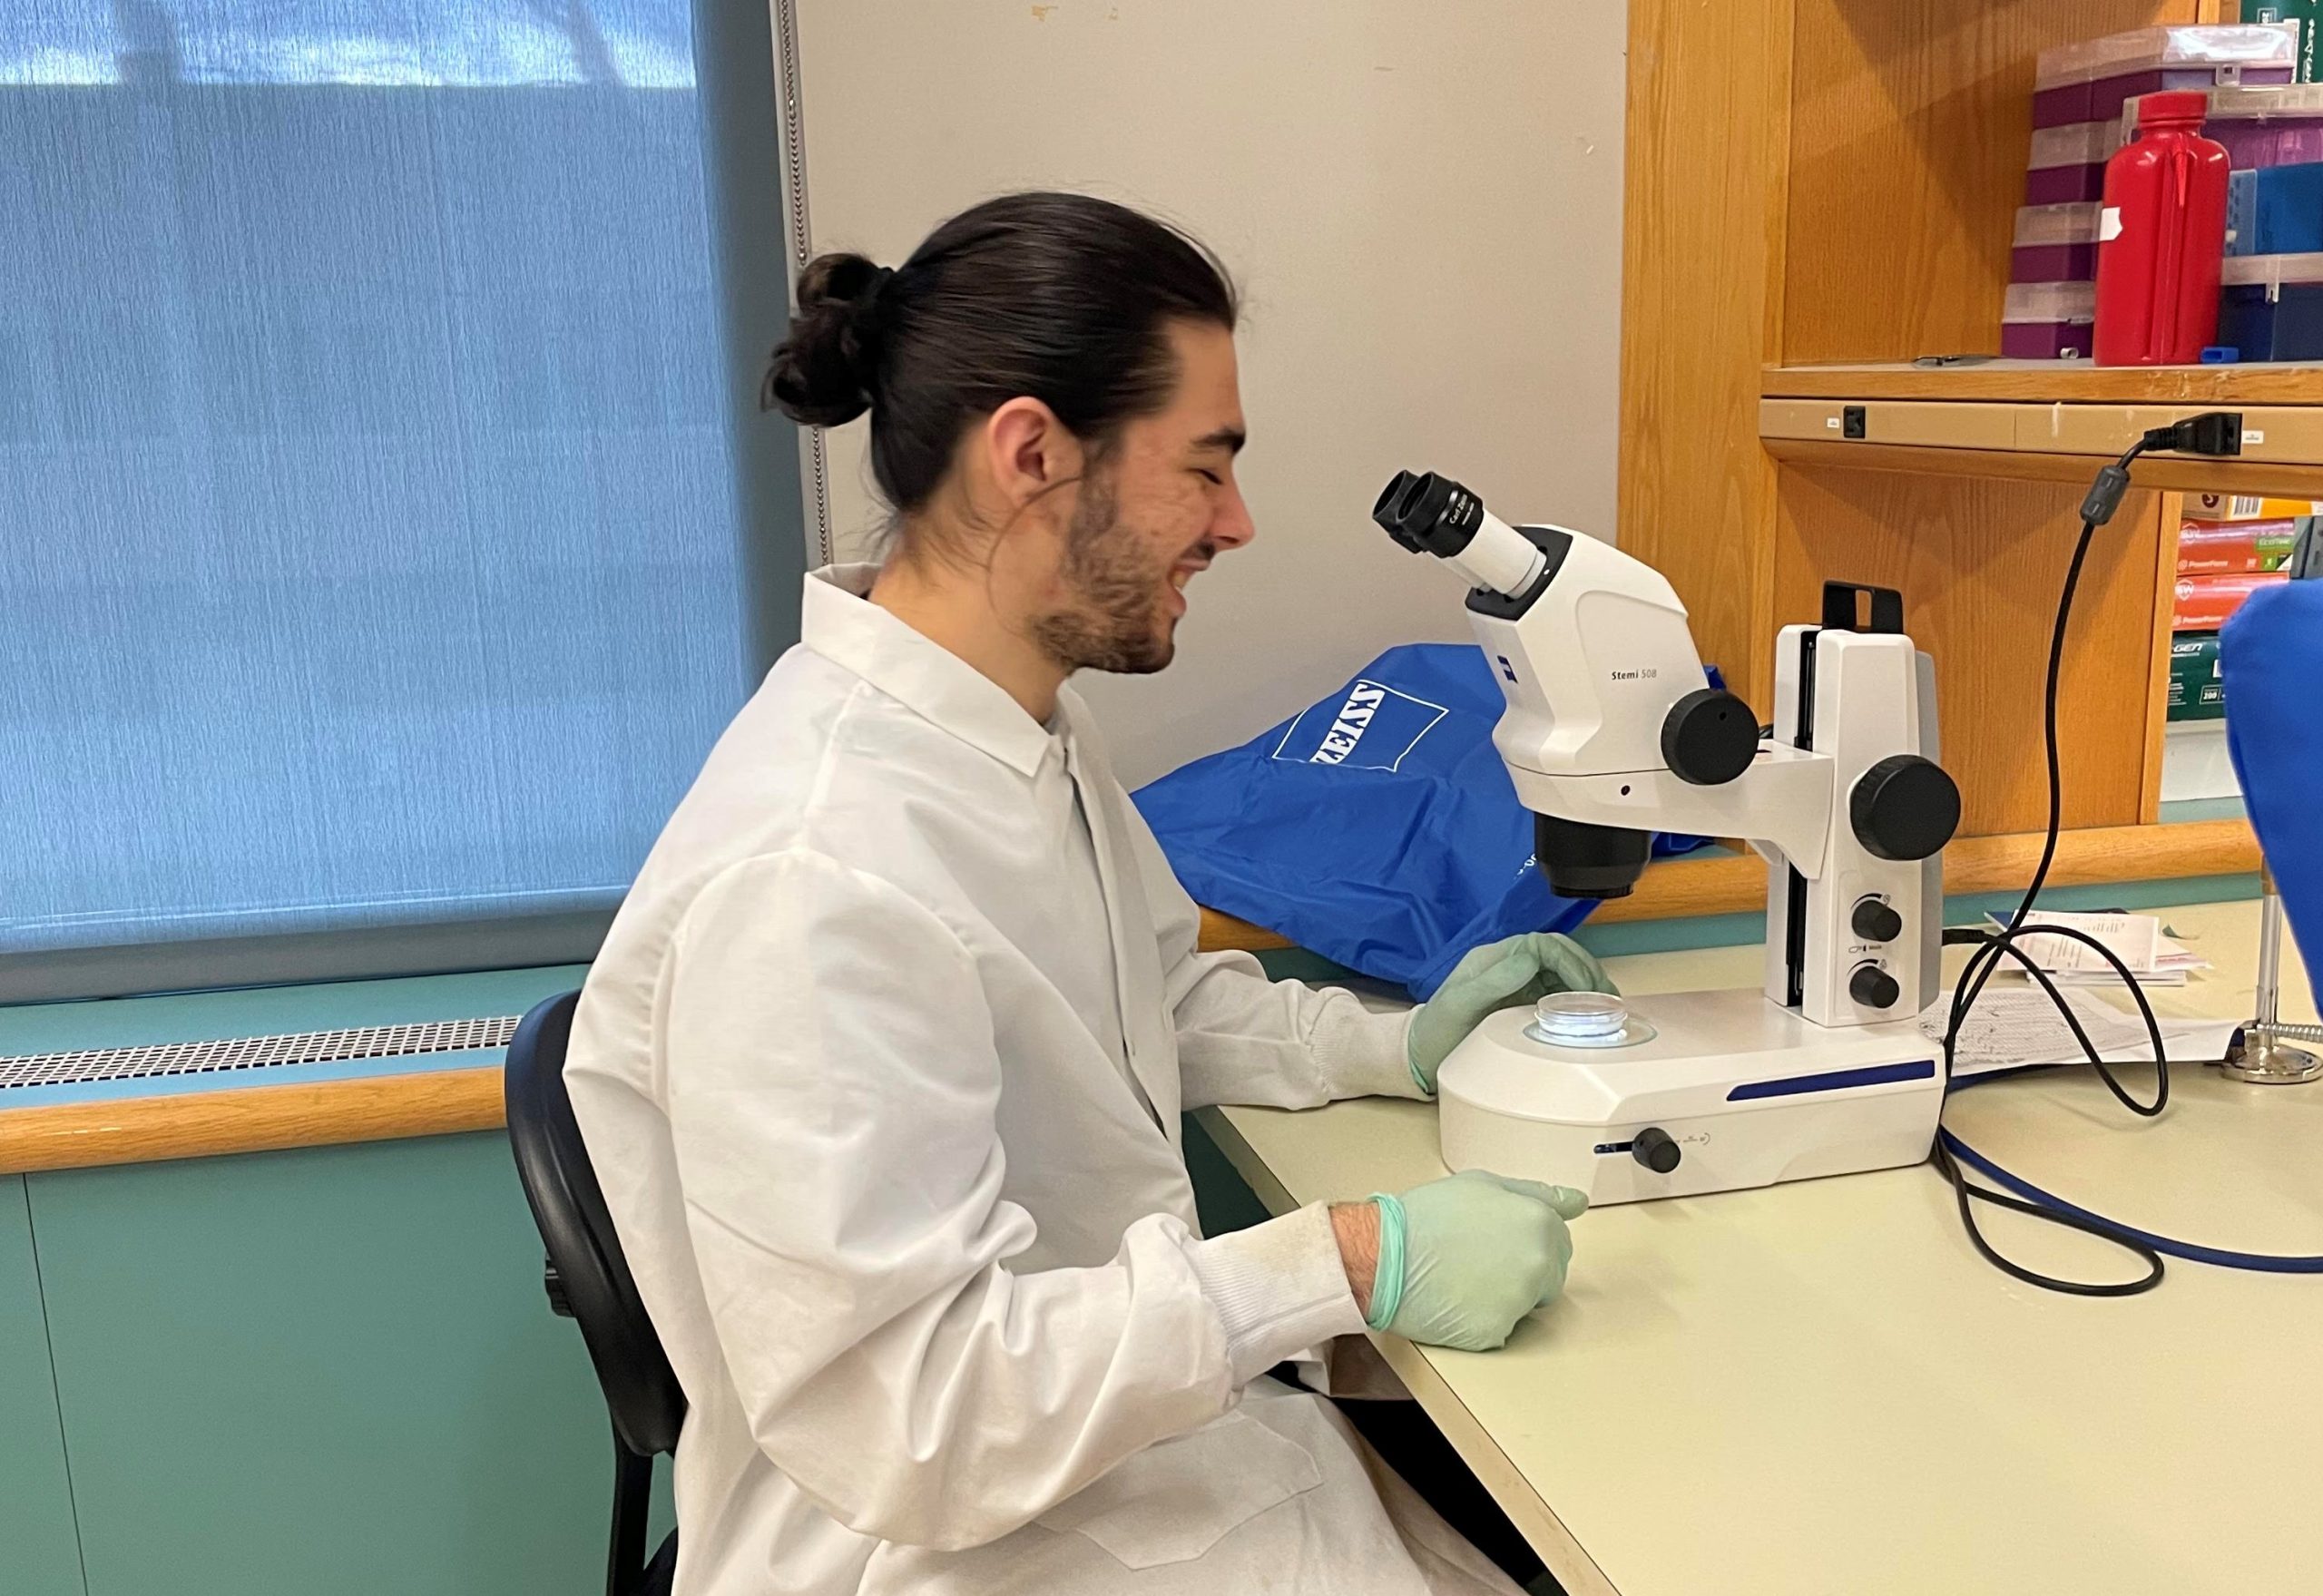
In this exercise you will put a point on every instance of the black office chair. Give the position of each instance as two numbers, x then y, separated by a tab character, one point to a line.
588	1281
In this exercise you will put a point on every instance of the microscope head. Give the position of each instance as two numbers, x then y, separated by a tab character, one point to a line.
1591	649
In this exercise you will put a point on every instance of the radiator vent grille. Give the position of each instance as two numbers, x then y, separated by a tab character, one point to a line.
254	1052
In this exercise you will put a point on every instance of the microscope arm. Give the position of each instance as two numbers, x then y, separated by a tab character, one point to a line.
1781	804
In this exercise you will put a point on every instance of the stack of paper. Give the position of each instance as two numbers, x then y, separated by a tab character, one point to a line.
2137	940
2013	1026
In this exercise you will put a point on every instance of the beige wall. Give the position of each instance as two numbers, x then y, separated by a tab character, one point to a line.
1421	202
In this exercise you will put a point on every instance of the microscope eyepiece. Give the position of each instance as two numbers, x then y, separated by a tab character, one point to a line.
1386	510
1428	514
1432	515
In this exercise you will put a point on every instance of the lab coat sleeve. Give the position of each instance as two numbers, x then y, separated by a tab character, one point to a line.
1244	1039
831	1082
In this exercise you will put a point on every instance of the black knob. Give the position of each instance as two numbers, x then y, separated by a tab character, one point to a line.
1873	987
1654	1148
1709	737
1876	922
1905	808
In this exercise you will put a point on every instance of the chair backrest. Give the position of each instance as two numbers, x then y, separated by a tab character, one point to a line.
2268	654
586	1266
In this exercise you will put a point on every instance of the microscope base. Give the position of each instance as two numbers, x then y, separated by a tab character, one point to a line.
1744	1092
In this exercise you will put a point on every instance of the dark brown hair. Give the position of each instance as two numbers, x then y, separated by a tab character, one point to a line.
1066	298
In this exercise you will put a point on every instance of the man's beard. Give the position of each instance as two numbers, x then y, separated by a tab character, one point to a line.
1113	591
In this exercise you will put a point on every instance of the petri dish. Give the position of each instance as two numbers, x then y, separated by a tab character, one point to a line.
1581	1018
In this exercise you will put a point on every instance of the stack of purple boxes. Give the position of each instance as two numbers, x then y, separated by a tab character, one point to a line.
2278	125
2083	107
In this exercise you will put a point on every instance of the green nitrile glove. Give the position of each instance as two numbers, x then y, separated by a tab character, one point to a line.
1463	1258
1499	976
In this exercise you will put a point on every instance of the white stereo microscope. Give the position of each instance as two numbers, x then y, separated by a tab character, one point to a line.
1611	732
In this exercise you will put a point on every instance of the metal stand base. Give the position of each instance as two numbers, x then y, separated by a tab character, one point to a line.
2259	1052
2264	1062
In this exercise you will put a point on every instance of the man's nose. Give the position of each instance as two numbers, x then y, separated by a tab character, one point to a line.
1233	527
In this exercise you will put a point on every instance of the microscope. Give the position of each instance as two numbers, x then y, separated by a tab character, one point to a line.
1611	732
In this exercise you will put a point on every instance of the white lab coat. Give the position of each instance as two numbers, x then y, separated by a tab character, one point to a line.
881	1069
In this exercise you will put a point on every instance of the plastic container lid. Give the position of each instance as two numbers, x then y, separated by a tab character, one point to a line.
2076	143
2263	102
2050	301
2264	44
2270	272
2074	222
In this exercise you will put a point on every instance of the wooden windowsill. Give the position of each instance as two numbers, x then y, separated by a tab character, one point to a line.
433	1102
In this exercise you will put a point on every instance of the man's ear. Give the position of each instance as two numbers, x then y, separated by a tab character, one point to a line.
1028	451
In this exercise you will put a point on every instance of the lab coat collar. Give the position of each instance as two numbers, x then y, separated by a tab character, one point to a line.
839	622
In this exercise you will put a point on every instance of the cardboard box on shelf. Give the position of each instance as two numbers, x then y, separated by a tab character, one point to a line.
2196	692
2243	507
2306	14
2222	548
2204	603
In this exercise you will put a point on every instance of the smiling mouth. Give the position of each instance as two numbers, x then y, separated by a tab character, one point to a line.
1197	560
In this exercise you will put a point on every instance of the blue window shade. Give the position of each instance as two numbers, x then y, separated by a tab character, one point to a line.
373	548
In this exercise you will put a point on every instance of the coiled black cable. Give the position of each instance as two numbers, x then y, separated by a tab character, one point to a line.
1994	947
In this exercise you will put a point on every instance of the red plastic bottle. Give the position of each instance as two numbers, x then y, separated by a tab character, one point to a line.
2160	238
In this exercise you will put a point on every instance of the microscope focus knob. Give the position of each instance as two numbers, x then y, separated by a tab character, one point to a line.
1654	1148
1709	737
1903	808
1875	921
1873	987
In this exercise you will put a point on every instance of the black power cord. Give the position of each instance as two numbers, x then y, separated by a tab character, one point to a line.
2214	433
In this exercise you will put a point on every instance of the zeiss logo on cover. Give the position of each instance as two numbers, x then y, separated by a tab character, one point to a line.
1374	730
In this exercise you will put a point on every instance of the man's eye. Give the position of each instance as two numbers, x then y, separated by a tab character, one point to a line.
1210	477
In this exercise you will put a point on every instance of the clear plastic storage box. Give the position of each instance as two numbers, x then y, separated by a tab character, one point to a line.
2054	244
2068	162
2277	126
2048	320
2270	307
2077	143
2089	79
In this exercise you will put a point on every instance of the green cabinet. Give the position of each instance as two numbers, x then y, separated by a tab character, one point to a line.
38	1552
330	1370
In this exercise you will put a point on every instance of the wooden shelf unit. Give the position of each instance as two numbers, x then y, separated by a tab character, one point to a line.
2061	382
2276	439
2178	475
1818	193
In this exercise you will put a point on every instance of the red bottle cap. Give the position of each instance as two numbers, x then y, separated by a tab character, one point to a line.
2190	106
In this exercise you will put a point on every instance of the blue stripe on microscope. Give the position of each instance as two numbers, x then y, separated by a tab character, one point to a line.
1834	1081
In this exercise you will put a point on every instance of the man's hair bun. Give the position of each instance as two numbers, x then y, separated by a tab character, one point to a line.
826	371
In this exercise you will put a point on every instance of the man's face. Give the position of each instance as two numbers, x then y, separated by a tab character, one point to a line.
1148	515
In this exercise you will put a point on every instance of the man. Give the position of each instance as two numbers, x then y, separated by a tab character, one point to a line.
883	1062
